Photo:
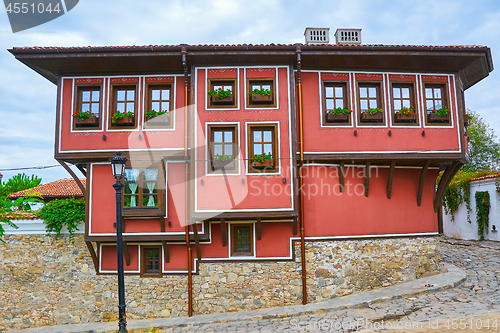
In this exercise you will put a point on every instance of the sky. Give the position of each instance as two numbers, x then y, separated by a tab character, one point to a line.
27	100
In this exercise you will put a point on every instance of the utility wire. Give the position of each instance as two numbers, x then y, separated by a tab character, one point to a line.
35	167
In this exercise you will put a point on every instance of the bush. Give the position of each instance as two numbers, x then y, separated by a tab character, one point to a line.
59	213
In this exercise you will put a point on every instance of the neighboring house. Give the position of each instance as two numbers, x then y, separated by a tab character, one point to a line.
59	189
366	174
30	223
460	227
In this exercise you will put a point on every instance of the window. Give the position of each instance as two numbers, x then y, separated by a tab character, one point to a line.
261	93
335	98
123	106
223	148
87	112
242	239
151	261
437	111
159	107
403	105
263	149
143	193
370	103
222	93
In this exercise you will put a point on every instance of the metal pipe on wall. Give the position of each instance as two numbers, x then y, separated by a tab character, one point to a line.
298	50
186	188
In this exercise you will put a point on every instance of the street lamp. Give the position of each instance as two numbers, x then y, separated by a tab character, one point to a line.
118	164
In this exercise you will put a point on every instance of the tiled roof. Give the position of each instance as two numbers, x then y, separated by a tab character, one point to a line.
495	175
62	188
23	216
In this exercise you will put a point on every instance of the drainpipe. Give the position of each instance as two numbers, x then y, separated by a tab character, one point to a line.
186	198
298	50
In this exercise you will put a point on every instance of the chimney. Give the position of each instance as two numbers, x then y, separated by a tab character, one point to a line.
348	36
317	35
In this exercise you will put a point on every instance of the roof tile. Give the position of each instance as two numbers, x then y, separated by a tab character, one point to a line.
62	188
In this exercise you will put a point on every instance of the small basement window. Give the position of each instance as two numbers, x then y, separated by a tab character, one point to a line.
242	240
151	261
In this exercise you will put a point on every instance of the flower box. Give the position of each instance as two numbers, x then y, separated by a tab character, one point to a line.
158	121
88	122
374	118
226	164
264	99
266	164
124	121
337	118
405	118
228	100
435	118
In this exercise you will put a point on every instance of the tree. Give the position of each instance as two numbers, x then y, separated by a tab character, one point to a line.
17	183
484	150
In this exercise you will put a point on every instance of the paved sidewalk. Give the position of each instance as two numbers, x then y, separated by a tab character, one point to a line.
453	277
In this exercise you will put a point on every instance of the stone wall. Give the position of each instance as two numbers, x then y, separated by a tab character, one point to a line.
44	281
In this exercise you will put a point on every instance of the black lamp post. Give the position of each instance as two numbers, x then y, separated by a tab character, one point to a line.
118	164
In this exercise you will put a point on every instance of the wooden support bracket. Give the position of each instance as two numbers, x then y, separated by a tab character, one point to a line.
367	178
197	240
82	170
421	182
77	180
162	222
390	178
445	181
223	231
341	177
258	228
295	222
165	251
95	260
127	254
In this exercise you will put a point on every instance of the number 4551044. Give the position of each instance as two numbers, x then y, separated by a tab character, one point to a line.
24	8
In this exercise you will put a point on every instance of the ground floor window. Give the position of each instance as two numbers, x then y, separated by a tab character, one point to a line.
242	240
151	261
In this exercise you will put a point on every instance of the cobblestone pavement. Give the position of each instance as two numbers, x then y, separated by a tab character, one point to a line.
477	297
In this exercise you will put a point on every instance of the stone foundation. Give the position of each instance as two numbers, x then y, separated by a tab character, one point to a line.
44	281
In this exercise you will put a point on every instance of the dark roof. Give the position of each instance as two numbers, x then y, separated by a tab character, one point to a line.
472	62
59	189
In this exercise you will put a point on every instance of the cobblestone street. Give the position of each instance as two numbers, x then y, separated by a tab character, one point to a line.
477	297
474	304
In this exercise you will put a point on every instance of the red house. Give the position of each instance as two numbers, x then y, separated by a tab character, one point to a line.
265	153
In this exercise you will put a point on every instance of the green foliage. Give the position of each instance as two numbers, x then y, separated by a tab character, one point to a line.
58	213
482	212
374	110
154	113
219	93
484	150
119	115
224	157
82	114
407	111
444	111
261	157
458	192
17	183
8	212
263	92
340	110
